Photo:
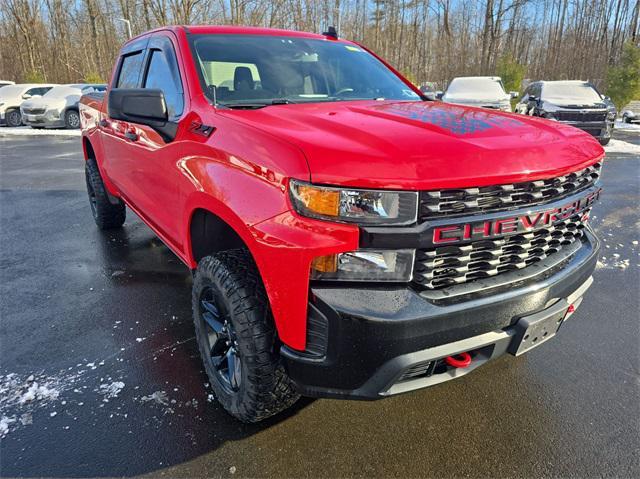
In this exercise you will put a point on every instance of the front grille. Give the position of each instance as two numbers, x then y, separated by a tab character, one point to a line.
34	111
450	265
581	116
469	201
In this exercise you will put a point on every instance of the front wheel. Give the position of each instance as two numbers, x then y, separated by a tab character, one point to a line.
14	118
71	120
237	339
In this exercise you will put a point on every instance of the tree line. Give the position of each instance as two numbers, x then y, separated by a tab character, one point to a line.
66	41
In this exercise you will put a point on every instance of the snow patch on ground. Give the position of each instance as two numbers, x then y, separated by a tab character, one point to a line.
619	146
159	397
28	131
111	390
20	396
627	126
616	255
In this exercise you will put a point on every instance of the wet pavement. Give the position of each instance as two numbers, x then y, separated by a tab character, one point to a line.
100	375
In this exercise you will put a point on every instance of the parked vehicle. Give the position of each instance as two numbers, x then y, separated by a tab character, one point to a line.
12	96
485	92
58	108
429	91
631	112
576	103
346	238
6	83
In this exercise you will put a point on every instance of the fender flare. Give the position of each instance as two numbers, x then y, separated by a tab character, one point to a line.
202	201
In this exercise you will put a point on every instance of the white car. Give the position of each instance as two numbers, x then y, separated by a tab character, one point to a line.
12	96
58	108
485	92
6	83
631	112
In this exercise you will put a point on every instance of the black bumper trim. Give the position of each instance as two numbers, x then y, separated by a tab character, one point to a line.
376	332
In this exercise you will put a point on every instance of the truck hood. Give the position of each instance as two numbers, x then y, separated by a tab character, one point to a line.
422	145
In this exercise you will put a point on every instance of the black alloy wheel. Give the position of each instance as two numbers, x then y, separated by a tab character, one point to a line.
224	355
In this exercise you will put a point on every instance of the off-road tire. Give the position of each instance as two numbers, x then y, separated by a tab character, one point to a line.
71	120
13	118
604	141
106	214
265	389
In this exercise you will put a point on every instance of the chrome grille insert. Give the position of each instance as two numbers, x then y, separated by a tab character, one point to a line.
469	201
450	265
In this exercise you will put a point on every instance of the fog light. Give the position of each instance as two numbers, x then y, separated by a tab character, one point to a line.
365	265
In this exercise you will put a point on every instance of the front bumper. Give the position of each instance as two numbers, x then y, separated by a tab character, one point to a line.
369	342
598	129
42	121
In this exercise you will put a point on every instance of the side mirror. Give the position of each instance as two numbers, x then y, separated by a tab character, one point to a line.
439	94
514	94
143	106
429	95
26	96
533	99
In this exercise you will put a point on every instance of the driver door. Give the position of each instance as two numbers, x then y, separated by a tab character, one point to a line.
154	177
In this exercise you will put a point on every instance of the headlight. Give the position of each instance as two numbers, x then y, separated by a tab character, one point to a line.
365	265
365	207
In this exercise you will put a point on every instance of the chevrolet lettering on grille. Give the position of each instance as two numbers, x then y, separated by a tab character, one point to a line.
511	225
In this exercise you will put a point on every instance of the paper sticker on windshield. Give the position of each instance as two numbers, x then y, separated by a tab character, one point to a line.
352	49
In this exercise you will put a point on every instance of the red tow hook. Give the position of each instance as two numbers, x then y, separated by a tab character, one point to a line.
460	360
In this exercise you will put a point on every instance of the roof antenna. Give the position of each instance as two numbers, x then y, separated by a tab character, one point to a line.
331	33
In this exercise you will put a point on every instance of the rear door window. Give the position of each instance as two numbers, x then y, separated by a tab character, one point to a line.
130	71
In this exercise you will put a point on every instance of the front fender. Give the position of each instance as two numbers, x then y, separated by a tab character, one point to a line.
282	247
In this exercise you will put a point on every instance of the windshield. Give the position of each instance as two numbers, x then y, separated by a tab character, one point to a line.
260	70
573	92
11	91
481	88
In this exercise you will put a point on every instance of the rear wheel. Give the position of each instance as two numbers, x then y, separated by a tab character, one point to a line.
14	118
106	214
237	339
71	119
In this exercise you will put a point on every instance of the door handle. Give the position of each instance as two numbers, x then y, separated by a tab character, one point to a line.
131	135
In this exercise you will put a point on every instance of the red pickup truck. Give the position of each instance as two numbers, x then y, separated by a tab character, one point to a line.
348	238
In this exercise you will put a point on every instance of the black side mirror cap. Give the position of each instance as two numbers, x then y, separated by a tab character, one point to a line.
144	106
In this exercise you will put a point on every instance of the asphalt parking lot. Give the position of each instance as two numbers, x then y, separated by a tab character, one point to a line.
100	375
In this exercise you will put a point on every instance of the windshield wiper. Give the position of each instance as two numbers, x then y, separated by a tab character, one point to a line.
242	105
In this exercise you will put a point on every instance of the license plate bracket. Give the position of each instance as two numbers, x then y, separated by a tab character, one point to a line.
535	329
